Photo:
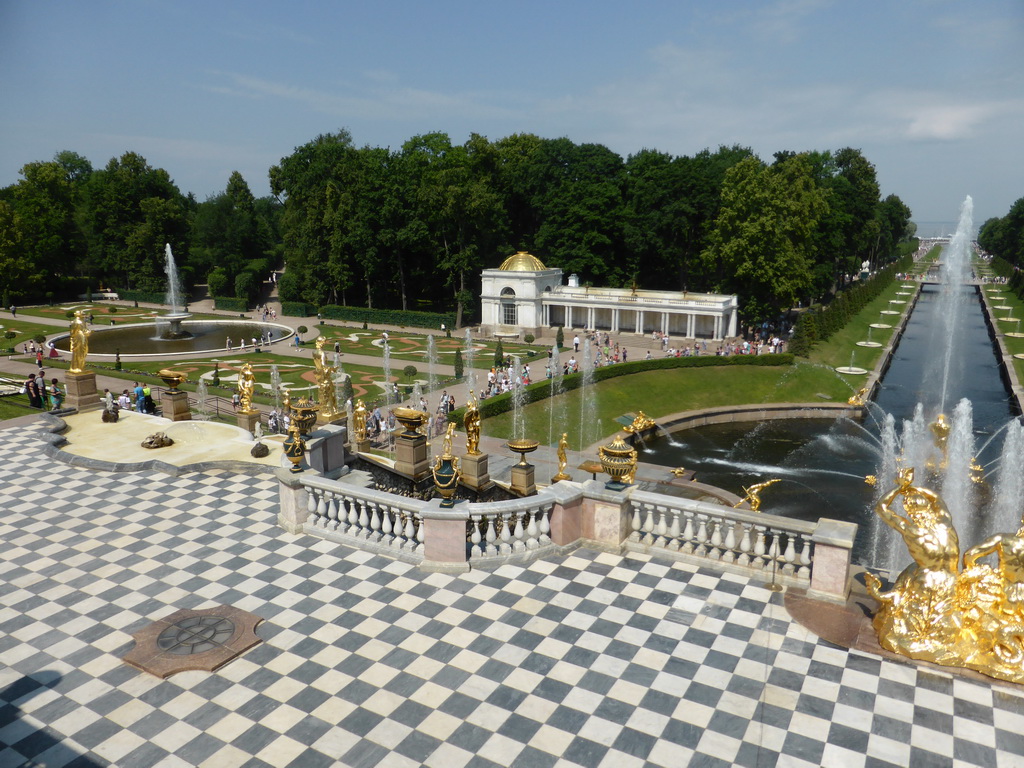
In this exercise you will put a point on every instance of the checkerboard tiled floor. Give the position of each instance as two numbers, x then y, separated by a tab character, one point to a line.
589	660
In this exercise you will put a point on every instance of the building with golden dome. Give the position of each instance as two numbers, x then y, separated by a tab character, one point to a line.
524	296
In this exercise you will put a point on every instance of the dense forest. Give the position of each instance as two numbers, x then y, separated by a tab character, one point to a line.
412	228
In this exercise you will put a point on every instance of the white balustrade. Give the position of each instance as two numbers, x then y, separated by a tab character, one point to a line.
777	547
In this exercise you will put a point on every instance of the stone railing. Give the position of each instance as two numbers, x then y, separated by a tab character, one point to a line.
562	517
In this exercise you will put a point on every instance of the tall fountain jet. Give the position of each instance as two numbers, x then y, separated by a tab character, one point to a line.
170	324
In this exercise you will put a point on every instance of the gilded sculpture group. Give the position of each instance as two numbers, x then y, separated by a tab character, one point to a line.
970	616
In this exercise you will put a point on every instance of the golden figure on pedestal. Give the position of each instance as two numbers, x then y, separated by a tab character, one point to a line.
359	422
936	612
859	398
563	459
246	388
325	381
471	421
79	340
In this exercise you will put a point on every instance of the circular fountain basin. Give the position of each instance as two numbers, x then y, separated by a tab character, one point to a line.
897	301
852	370
1014	335
1004	308
1009	319
880	325
142	339
890	312
868	344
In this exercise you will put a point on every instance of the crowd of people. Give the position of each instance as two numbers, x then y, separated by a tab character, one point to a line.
45	396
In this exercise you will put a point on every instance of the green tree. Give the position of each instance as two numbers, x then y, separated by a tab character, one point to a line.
499	354
764	233
460	366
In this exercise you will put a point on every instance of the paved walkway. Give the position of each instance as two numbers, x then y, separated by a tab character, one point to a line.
592	659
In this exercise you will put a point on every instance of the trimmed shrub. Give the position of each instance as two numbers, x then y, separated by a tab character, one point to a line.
560	337
112	310
499	354
150	297
297	309
217	281
387	316
528	338
460	366
230	303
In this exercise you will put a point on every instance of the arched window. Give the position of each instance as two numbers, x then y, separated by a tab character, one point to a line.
509	316
508	293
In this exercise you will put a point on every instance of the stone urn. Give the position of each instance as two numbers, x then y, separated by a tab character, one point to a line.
411	419
446	479
304	414
172	379
295	447
522	446
618	460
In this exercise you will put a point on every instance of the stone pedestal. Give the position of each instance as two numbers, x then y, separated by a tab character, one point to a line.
174	406
411	456
523	482
474	471
363	446
325	449
82	392
248	420
292	512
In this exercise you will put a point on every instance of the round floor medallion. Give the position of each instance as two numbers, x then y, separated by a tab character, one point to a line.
196	634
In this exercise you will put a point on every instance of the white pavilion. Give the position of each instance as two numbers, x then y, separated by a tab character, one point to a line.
523	296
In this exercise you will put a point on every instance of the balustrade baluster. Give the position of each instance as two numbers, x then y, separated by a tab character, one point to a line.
716	540
790	555
804	572
532	530
688	534
702	537
729	553
506	534
648	524
364	520
421	535
321	507
518	545
545	526
474	536
375	523
673	530
386	526
661	529
746	546
635	523
492	535
311	501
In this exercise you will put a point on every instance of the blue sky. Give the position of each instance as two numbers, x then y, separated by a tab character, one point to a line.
931	91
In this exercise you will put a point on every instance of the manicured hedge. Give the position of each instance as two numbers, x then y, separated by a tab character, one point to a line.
388	316
297	309
230	303
149	297
541	390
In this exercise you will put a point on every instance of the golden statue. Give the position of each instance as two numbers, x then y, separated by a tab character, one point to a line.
359	422
79	339
753	495
640	422
246	388
859	398
563	459
446	442
471	421
971	618
325	381
940	429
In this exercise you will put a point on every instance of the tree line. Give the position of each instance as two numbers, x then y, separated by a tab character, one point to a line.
1004	236
412	228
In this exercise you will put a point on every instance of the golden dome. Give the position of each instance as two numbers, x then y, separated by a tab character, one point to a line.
522	262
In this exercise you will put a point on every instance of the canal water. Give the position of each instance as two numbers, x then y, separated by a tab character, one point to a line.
822	463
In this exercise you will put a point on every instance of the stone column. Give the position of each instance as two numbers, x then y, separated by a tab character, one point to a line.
411	456
523	482
444	540
474	472
174	405
830	570
293	512
82	391
248	420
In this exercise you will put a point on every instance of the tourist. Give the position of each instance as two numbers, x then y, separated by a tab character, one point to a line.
337	347
576	343
138	392
148	406
272	420
229	343
14	311
235	400
31	389
108	399
124	402
255	348
56	395
39	359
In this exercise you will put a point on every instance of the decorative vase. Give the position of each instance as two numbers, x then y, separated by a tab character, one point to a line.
172	379
411	419
295	447
446	479
304	414
522	446
618	460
